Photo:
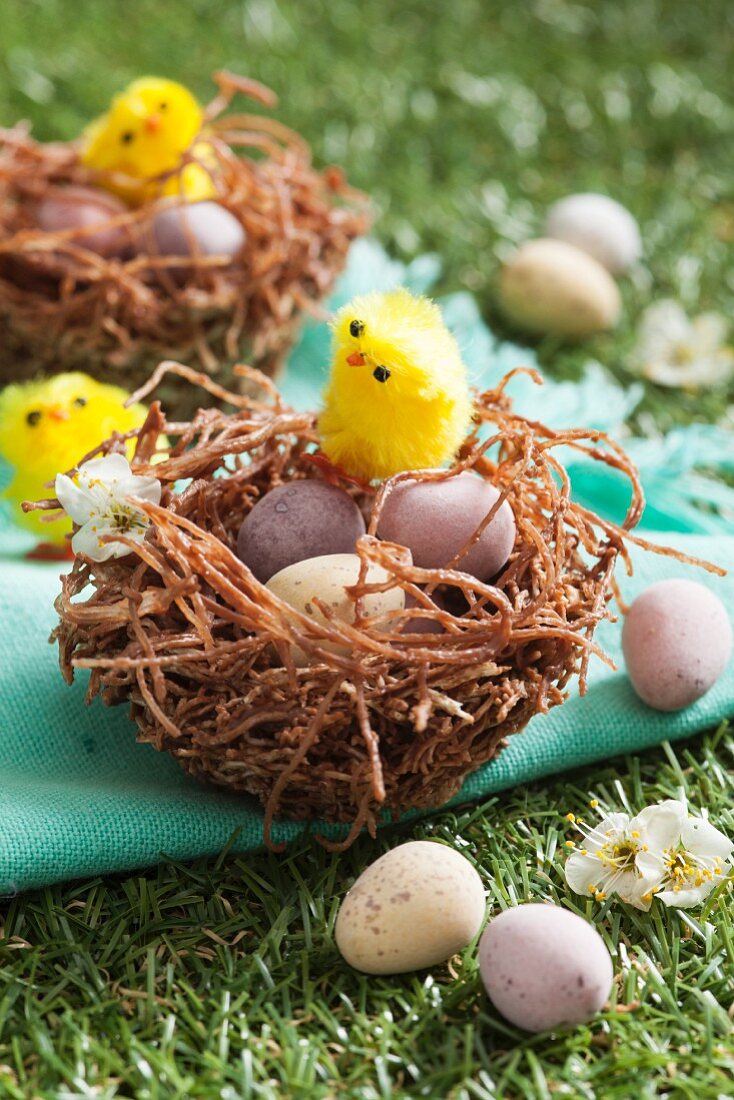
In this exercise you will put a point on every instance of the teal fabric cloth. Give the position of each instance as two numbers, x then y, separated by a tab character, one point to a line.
79	796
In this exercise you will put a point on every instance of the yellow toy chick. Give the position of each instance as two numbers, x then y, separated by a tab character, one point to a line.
45	428
145	132
398	397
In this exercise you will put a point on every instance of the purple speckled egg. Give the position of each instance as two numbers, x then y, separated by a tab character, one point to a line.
676	641
85	209
296	521
205	228
544	967
434	519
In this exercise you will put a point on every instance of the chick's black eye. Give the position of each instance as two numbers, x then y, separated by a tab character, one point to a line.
381	374
356	328
163	106
79	402
127	137
33	417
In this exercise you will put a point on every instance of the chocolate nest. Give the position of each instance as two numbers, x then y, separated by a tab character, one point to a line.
181	629
64	307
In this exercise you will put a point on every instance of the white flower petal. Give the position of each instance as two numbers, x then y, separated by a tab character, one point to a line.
145	488
109	468
652	867
685	899
710	330
582	872
76	501
699	837
660	826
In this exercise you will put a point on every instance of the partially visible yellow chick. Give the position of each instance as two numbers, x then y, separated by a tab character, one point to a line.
46	427
398	398
145	132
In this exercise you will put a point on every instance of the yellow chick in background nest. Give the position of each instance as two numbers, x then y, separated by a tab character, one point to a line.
145	132
45	428
398	397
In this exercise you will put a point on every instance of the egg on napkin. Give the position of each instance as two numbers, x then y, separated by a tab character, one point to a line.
676	641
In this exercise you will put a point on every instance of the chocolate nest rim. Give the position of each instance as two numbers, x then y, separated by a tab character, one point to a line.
64	307
182	629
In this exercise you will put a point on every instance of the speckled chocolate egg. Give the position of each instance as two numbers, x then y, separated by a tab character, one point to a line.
553	288
85	208
598	225
298	520
676	641
416	906
326	578
544	967
435	519
203	228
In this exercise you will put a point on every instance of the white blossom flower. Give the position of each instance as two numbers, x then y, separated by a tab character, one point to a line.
101	500
623	855
675	350
695	865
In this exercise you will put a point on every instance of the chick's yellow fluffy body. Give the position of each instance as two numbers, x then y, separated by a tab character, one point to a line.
47	427
398	397
144	134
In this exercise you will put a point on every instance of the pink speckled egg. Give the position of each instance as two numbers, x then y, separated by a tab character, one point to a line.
435	519
89	211
676	642
544	967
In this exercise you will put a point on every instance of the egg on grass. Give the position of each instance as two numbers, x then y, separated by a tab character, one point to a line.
415	906
552	288
544	967
598	225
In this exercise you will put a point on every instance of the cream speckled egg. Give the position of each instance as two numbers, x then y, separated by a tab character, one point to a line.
554	288
676	641
416	906
597	225
543	967
326	578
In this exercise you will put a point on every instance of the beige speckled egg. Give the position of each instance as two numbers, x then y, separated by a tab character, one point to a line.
551	287
326	578
416	906
543	967
676	641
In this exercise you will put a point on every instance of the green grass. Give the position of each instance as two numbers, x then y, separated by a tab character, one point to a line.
221	979
464	121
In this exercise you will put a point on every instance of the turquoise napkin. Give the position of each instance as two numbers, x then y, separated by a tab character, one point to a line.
79	796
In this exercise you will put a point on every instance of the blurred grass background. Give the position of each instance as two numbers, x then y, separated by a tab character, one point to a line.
464	121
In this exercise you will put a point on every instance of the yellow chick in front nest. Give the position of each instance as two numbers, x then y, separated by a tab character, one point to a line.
144	134
45	428
398	397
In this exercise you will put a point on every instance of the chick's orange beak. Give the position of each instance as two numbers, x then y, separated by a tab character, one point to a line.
153	123
356	359
57	413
